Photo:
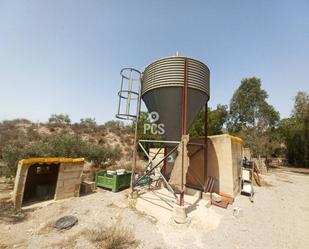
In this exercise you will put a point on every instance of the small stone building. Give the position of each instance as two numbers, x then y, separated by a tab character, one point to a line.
224	158
39	179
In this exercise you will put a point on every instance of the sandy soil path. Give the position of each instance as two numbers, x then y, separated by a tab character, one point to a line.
278	218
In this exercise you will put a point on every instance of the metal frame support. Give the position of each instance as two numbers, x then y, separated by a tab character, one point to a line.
185	99
148	172
161	175
205	145
184	126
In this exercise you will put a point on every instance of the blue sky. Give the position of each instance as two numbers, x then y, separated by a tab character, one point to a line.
63	56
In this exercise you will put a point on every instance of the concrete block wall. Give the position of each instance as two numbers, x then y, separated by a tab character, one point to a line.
224	161
19	185
237	156
69	180
219	162
224	155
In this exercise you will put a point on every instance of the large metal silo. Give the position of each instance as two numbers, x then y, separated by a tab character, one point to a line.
176	88
163	83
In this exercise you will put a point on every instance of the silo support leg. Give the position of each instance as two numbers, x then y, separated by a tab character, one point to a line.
180	169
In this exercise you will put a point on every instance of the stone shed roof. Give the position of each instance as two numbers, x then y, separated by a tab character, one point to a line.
51	160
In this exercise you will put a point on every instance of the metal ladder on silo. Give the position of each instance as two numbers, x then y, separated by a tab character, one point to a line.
130	88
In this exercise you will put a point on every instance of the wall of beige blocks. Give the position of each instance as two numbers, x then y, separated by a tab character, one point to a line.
69	180
19	186
224	156
224	161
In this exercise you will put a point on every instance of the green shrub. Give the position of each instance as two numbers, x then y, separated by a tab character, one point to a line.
11	154
60	145
295	131
59	119
90	122
119	128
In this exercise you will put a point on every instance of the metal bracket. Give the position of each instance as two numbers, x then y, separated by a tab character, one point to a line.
148	172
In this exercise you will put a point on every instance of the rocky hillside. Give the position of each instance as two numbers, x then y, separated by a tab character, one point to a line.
21	134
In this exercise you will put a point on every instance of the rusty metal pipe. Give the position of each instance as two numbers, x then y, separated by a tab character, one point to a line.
184	126
205	145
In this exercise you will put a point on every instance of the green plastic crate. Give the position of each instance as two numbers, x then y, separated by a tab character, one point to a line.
113	182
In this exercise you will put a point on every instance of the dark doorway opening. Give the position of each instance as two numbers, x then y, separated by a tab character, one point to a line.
41	182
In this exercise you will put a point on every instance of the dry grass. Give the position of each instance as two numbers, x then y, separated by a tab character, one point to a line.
8	214
132	203
68	243
2	246
114	237
265	183
128	150
127	165
47	228
150	218
140	166
112	205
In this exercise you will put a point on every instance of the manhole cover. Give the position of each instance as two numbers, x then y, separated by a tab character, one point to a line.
66	222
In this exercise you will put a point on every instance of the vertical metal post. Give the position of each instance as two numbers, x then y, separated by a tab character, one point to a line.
129	93
205	145
184	126
135	144
119	103
185	99
182	193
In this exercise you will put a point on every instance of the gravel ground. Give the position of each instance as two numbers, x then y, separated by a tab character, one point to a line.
278	218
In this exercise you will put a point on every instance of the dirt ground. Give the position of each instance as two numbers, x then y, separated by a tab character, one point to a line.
278	218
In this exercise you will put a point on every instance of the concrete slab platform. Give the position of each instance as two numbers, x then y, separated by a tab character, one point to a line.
160	203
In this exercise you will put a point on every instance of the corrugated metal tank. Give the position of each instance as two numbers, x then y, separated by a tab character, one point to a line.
162	91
